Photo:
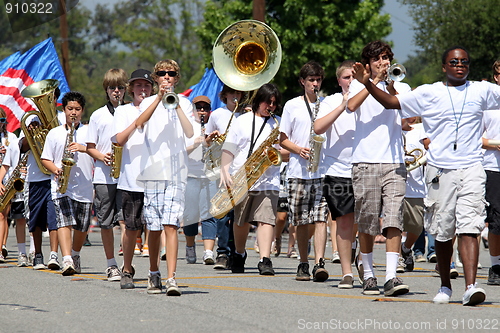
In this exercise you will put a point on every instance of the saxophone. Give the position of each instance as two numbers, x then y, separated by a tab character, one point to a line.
260	160
14	184
68	160
315	140
116	159
213	154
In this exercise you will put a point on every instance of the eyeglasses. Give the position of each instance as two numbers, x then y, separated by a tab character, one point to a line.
3	120
119	87
170	73
204	107
454	62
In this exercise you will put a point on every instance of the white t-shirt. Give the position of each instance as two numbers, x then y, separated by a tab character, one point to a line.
219	119
99	133
195	165
378	137
80	180
433	103
296	124
133	149
238	142
164	156
491	127
337	151
415	180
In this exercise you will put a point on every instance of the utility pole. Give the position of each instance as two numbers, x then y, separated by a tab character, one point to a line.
259	10
63	23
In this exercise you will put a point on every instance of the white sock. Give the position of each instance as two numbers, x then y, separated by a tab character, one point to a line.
241	254
495	260
391	262
54	253
153	273
21	248
354	245
367	260
349	274
67	258
112	262
74	253
32	244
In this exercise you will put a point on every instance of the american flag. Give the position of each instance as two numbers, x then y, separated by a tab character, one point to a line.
18	71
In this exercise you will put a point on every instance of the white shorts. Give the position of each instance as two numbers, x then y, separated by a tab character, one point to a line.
455	204
163	204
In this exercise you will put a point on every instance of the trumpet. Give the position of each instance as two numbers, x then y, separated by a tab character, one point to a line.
170	100
417	159
396	72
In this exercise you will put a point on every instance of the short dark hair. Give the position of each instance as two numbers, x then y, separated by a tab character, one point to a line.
374	49
311	68
264	94
73	96
448	50
225	91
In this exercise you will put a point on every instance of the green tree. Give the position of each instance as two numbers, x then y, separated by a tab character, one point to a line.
325	31
440	24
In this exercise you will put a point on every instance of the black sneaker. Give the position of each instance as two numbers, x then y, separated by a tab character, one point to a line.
38	262
494	275
395	287
265	267
127	281
320	274
221	262
238	265
370	286
303	272
408	260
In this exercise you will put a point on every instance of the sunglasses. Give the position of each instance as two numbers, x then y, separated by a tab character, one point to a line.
119	87
204	107
170	73
3	120
454	62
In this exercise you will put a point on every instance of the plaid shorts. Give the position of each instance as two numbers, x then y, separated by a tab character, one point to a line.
306	202
74	213
379	188
163	204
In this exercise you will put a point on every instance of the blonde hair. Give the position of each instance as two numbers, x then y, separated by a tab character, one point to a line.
113	78
346	64
164	64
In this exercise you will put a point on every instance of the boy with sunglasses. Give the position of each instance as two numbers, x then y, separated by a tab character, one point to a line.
452	113
107	197
164	170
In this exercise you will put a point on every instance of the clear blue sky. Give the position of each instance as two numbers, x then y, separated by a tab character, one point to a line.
401	35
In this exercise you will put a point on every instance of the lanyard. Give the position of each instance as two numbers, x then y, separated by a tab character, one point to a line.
252	142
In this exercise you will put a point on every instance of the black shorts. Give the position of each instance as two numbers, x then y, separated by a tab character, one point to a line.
132	208
17	210
493	198
339	195
282	205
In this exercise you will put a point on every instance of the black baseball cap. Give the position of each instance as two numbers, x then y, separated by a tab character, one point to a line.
141	74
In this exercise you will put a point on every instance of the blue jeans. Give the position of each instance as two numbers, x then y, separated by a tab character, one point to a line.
419	246
208	229
225	232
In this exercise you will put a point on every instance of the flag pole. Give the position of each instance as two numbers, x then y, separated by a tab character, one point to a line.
63	23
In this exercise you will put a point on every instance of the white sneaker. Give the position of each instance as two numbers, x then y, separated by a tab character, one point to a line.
335	257
208	257
68	268
443	296
473	295
191	254
53	263
172	288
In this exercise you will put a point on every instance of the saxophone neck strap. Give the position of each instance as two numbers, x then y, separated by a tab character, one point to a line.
308	107
111	108
252	141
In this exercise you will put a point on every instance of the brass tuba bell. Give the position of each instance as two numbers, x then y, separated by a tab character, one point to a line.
246	55
42	93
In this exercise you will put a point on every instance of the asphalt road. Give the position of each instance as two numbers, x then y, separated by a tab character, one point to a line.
219	301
